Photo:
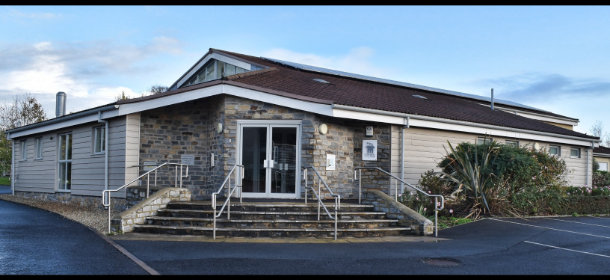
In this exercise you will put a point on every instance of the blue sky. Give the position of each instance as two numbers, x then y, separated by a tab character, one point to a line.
551	57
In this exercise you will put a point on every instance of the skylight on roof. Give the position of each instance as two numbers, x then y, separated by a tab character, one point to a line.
321	81
419	96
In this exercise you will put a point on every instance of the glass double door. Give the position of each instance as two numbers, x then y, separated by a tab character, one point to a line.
270	156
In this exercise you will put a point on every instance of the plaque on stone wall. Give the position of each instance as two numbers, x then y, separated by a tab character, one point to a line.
330	162
369	149
187	159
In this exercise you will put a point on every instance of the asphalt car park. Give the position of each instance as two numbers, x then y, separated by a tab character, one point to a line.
34	241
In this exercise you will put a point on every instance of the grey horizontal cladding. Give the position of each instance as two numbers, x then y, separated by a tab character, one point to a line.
36	175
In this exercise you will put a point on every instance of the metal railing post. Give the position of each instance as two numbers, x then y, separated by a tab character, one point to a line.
109	209
155	177
319	198
395	189
147	184
336	216
180	175
305	177
435	216
214	216
359	186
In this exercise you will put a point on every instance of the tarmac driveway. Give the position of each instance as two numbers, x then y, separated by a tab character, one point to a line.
34	241
566	245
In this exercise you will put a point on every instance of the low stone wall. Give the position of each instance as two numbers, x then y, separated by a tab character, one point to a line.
146	208
396	210
68	198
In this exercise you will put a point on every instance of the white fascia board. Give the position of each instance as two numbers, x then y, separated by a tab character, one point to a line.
318	108
540	117
93	117
364	116
452	125
205	60
497	132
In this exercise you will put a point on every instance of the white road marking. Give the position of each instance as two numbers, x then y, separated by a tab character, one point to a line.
575	232
571	250
578	222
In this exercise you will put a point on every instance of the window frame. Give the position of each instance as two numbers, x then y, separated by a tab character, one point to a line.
96	131
38	148
558	150
24	151
600	166
486	140
64	159
575	149
510	142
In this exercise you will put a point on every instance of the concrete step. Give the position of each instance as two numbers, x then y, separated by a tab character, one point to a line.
271	224
268	206
288	215
266	232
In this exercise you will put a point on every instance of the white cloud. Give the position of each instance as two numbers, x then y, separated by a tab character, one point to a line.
44	68
32	16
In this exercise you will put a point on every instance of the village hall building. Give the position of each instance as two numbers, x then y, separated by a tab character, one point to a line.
277	118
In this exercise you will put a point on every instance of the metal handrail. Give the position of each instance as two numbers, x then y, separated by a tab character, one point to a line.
358	176
238	183
106	203
318	196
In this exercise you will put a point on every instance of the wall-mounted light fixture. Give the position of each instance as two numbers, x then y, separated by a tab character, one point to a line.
323	129
219	128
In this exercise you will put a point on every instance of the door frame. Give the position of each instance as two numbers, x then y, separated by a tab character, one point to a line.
270	124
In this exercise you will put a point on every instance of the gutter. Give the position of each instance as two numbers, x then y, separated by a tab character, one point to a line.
60	119
448	121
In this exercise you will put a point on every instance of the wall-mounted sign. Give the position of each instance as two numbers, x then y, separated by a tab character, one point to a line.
187	159
369	130
149	165
330	162
369	149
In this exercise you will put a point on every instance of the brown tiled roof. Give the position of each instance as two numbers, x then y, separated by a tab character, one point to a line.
602	150
297	83
386	97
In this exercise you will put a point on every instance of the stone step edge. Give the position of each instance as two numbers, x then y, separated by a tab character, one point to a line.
272	204
269	213
271	221
276	229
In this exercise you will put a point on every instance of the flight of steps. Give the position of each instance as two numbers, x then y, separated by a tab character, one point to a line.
271	219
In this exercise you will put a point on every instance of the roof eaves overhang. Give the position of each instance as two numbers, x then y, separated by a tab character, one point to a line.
410	120
86	116
233	88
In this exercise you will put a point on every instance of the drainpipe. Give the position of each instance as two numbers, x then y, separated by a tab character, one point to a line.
402	154
13	168
106	150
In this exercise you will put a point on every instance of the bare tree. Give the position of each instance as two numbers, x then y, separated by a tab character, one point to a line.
24	110
597	130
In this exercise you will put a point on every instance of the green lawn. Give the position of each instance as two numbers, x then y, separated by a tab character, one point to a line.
5	180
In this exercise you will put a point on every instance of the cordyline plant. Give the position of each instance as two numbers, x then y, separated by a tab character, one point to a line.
471	175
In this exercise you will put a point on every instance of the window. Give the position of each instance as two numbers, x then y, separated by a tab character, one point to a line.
513	143
24	152
38	148
484	140
99	140
575	152
555	150
65	162
603	166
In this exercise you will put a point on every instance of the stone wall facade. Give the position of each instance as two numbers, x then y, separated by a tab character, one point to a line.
190	128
